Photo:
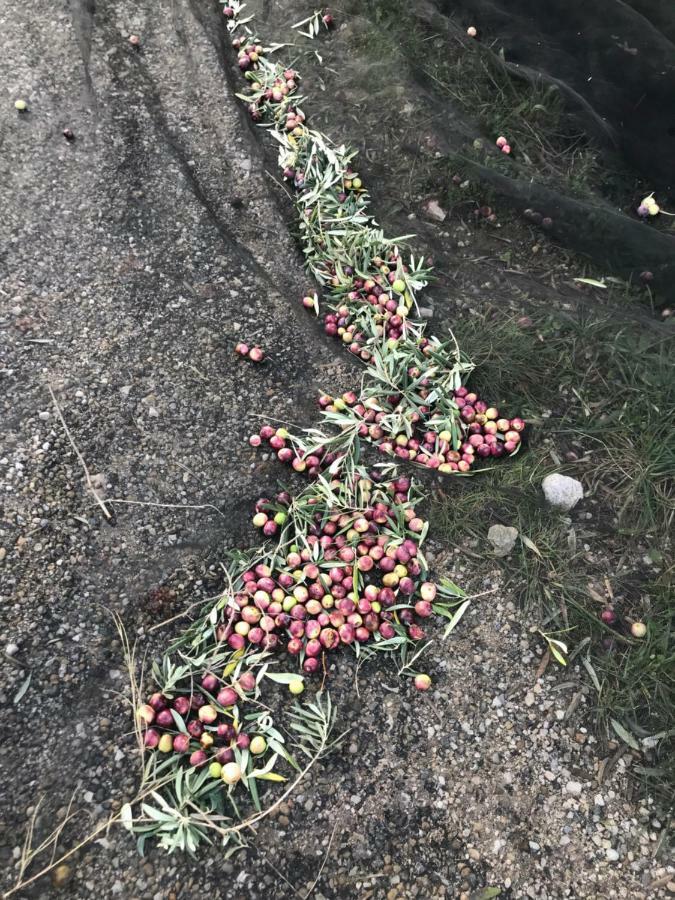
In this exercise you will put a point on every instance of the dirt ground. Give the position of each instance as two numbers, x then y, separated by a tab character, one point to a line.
133	259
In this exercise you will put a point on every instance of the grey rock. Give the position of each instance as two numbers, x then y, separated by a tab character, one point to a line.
561	491
503	539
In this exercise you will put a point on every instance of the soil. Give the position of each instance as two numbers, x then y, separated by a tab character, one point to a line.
134	257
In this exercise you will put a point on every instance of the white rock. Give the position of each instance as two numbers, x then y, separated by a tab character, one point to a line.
574	788
503	539
611	854
434	211
562	492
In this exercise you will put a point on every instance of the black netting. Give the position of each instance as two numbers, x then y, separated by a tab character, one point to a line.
613	65
618	56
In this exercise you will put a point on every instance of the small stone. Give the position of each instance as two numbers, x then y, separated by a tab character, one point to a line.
433	210
11	649
99	481
530	699
562	492
61	875
503	539
573	788
612	854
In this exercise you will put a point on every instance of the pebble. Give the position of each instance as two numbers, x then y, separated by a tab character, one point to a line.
573	788
433	210
61	875
562	492
503	539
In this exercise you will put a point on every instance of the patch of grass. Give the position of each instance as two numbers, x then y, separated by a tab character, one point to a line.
594	384
600	398
638	686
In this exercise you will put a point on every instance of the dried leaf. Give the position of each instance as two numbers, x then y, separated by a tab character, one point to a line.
591	671
22	690
127	817
592	282
455	619
556	651
284	677
572	541
531	545
625	735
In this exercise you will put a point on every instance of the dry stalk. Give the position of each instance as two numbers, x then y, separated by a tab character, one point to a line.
87	475
170	505
323	864
21	885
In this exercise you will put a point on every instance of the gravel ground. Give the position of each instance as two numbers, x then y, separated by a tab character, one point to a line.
133	258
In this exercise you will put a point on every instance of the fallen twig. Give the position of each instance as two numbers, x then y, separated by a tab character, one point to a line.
170	505
90	485
323	864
